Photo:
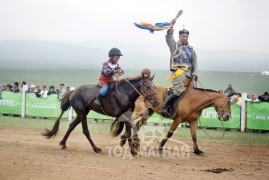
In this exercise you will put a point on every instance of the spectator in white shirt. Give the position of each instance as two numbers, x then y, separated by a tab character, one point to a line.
22	84
254	98
43	93
62	91
31	89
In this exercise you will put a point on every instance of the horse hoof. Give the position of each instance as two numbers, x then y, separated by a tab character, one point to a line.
200	153
133	152
134	149
122	141
97	150
63	146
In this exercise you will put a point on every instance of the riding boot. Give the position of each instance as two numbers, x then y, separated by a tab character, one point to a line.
98	99
168	101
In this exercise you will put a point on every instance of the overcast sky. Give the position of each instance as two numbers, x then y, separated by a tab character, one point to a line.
213	24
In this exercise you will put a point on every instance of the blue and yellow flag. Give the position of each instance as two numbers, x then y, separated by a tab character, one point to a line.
152	28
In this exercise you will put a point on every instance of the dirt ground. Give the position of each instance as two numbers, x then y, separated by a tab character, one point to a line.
25	154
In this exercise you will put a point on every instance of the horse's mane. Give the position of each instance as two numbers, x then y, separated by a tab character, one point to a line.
135	78
146	72
207	90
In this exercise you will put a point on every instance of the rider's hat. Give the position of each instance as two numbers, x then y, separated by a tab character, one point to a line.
184	31
114	52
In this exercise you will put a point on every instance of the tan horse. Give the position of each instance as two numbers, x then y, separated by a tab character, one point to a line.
189	110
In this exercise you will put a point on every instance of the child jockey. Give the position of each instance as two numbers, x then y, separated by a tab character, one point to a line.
110	68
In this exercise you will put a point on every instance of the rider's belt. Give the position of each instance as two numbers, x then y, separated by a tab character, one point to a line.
184	67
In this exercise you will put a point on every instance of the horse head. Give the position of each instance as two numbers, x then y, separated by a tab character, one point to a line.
148	89
223	107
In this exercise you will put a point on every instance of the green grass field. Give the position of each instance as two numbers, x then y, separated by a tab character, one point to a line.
249	82
104	128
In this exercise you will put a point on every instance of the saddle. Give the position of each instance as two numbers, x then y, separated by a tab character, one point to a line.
173	108
111	86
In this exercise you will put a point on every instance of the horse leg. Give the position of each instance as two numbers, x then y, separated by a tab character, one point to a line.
142	121
125	136
87	133
170	133
193	126
72	126
126	118
132	145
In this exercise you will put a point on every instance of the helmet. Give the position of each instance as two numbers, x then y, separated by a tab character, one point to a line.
114	52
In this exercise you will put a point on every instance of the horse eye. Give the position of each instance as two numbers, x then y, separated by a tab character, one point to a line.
148	87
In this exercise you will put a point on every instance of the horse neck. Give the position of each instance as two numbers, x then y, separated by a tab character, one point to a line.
202	99
131	90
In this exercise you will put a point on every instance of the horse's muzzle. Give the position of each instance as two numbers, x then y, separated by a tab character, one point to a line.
155	103
224	118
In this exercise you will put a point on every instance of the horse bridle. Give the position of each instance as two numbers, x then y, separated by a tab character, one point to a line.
222	104
147	95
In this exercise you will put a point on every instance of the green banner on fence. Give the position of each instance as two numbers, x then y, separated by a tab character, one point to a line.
258	115
209	118
39	107
10	103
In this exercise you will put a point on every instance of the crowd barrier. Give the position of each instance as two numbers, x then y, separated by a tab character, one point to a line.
249	116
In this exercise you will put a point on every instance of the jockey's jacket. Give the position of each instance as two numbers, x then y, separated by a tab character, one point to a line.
108	71
182	56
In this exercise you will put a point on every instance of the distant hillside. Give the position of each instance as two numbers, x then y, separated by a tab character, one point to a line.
55	55
233	60
219	60
34	54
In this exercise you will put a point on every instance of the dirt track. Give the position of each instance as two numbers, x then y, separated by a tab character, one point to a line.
25	154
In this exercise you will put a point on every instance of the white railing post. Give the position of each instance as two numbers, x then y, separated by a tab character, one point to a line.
243	112
70	113
23	104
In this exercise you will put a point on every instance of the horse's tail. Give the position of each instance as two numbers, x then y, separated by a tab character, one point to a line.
116	128
65	104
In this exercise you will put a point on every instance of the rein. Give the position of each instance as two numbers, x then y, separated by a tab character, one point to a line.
145	98
211	136
133	86
218	108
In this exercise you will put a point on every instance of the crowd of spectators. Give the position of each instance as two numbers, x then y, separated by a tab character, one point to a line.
236	97
39	91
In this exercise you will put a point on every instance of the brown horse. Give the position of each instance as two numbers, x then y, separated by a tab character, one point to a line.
189	110
116	104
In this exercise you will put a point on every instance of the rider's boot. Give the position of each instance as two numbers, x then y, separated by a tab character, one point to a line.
168	101
98	99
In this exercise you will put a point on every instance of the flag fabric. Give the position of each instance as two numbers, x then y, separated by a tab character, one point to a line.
152	28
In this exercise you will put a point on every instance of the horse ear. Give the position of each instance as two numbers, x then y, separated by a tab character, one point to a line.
152	77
